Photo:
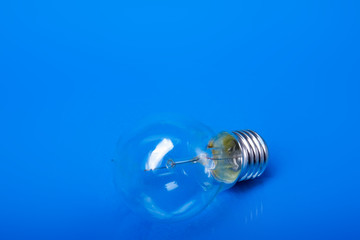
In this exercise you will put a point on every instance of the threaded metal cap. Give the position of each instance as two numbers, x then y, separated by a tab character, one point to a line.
254	154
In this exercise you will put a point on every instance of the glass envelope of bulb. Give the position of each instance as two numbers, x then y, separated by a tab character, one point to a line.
173	170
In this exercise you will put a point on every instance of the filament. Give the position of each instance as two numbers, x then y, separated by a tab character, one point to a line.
171	163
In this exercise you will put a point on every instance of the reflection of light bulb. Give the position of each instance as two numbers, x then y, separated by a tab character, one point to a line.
173	171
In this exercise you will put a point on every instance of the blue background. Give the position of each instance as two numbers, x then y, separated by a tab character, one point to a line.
73	74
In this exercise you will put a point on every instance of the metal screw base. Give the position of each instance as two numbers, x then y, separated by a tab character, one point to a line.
254	154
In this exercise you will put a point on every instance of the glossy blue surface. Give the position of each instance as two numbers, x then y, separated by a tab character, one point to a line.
73	74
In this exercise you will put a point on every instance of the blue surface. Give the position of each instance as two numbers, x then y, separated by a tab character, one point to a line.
73	74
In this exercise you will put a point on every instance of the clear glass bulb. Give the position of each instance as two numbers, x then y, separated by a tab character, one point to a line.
173	170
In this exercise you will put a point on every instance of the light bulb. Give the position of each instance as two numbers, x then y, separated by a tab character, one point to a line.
173	170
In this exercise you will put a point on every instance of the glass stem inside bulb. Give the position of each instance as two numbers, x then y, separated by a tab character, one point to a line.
222	158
